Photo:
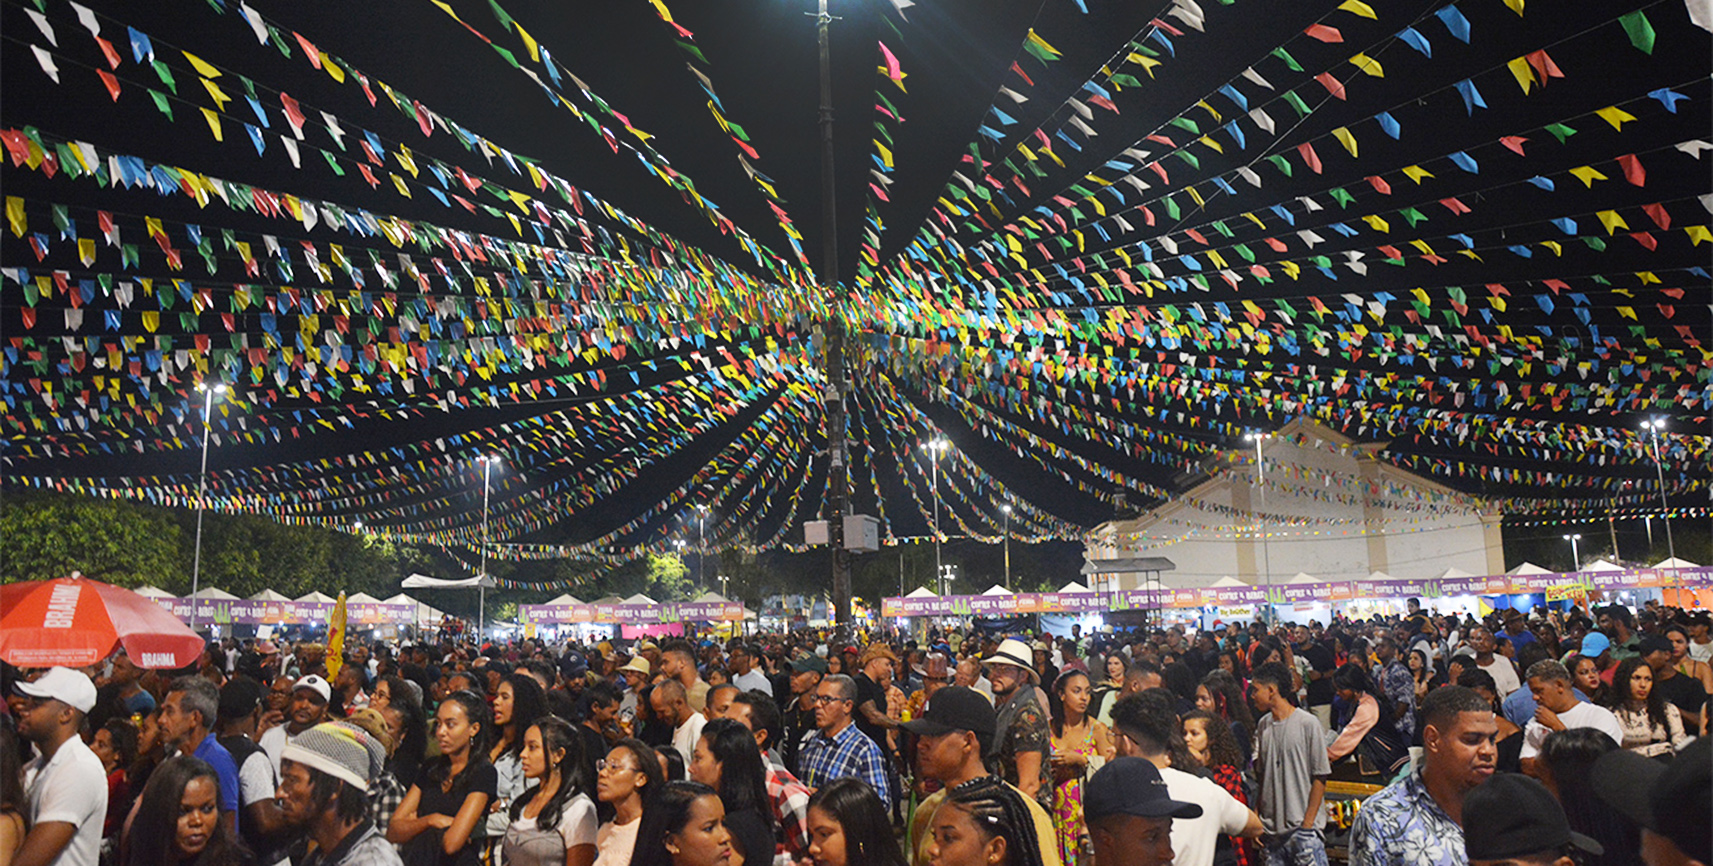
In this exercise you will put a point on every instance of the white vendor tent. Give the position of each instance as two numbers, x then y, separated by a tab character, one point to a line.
269	595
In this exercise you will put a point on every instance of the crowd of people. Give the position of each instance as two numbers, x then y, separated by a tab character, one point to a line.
1554	738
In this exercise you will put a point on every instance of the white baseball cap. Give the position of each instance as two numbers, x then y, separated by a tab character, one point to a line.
70	687
317	685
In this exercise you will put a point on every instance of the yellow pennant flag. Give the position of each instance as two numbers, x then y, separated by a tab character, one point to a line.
336	638
529	42
1522	71
202	66
214	124
1345	138
1616	116
1368	64
15	215
1358	8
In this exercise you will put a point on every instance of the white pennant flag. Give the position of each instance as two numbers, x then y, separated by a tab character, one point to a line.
257	26
1262	119
47	62
1254	76
291	150
1012	95
43	25
1694	148
86	17
1077	106
1249	175
1309	203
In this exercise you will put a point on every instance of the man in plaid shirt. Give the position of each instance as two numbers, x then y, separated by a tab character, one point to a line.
790	798
836	749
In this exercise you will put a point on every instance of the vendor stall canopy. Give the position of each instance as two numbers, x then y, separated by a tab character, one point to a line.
1091	242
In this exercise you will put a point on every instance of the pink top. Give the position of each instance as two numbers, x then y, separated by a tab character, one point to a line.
1367	713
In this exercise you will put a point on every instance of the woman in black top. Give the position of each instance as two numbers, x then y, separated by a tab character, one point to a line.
437	821
727	760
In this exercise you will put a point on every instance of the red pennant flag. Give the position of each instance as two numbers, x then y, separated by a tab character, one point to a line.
1310	158
1324	33
1514	142
1645	239
1379	184
111	82
1658	214
1021	74
1332	85
1633	171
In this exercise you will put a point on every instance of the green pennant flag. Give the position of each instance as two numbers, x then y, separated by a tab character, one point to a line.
161	102
499	13
1290	62
1641	31
165	73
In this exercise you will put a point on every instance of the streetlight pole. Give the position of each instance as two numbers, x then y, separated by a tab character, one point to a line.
935	447
1006	510
201	494
1575	558
1260	521
488	462
702	545
1654	425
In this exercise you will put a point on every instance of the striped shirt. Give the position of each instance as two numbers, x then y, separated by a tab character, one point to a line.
848	754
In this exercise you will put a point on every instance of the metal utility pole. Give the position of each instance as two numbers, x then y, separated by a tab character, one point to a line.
838	476
1575	558
201	499
1006	510
1654	425
702	545
1260	520
488	462
935	447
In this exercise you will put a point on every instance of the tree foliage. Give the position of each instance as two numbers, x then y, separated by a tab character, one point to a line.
47	536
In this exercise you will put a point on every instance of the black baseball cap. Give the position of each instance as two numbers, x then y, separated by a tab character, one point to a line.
809	664
955	708
1651	644
240	697
1132	786
1512	815
1672	800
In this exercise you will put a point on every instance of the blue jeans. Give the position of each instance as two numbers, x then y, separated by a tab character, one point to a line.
1296	848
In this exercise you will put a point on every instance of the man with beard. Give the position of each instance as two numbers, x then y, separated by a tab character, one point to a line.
1418	820
324	782
308	708
1022	736
65	788
806	674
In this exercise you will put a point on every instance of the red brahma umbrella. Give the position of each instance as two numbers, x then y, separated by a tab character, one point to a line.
74	621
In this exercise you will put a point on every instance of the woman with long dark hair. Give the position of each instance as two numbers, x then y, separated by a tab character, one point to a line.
178	820
438	820
1220	694
685	825
1111	686
518	702
727	760
626	780
409	730
1211	744
848	826
1080	745
553	823
1421	674
1364	731
1653	726
1231	661
1566	759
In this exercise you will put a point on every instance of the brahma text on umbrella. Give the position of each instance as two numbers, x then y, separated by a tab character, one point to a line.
62	607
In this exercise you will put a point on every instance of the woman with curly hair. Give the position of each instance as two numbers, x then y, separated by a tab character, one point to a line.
1211	744
983	823
1080	745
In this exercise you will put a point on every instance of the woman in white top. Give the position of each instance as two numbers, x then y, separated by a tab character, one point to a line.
1653	727
553	823
627	779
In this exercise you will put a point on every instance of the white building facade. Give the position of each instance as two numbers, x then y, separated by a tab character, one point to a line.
1323	505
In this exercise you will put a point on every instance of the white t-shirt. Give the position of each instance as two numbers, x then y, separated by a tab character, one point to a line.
1504	675
69	788
1194	839
1701	652
577	822
1583	715
753	681
684	737
273	741
615	843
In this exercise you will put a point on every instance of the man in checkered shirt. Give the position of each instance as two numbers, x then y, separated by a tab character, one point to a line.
836	749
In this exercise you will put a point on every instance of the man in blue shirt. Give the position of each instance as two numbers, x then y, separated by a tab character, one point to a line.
836	749
188	713
1519	706
1418	820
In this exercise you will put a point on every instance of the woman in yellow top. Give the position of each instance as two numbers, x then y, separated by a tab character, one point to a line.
1080	745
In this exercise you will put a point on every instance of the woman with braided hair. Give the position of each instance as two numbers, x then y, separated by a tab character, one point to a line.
984	823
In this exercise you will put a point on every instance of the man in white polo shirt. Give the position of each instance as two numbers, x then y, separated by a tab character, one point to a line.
65	787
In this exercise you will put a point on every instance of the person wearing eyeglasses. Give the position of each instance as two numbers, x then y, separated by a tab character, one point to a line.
836	749
626	779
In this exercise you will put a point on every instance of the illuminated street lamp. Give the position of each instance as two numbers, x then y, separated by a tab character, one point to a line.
935	447
1006	510
488	461
1575	557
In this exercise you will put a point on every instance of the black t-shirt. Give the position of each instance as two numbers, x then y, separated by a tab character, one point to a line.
426	847
1683	691
751	836
1320	659
798	721
870	691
